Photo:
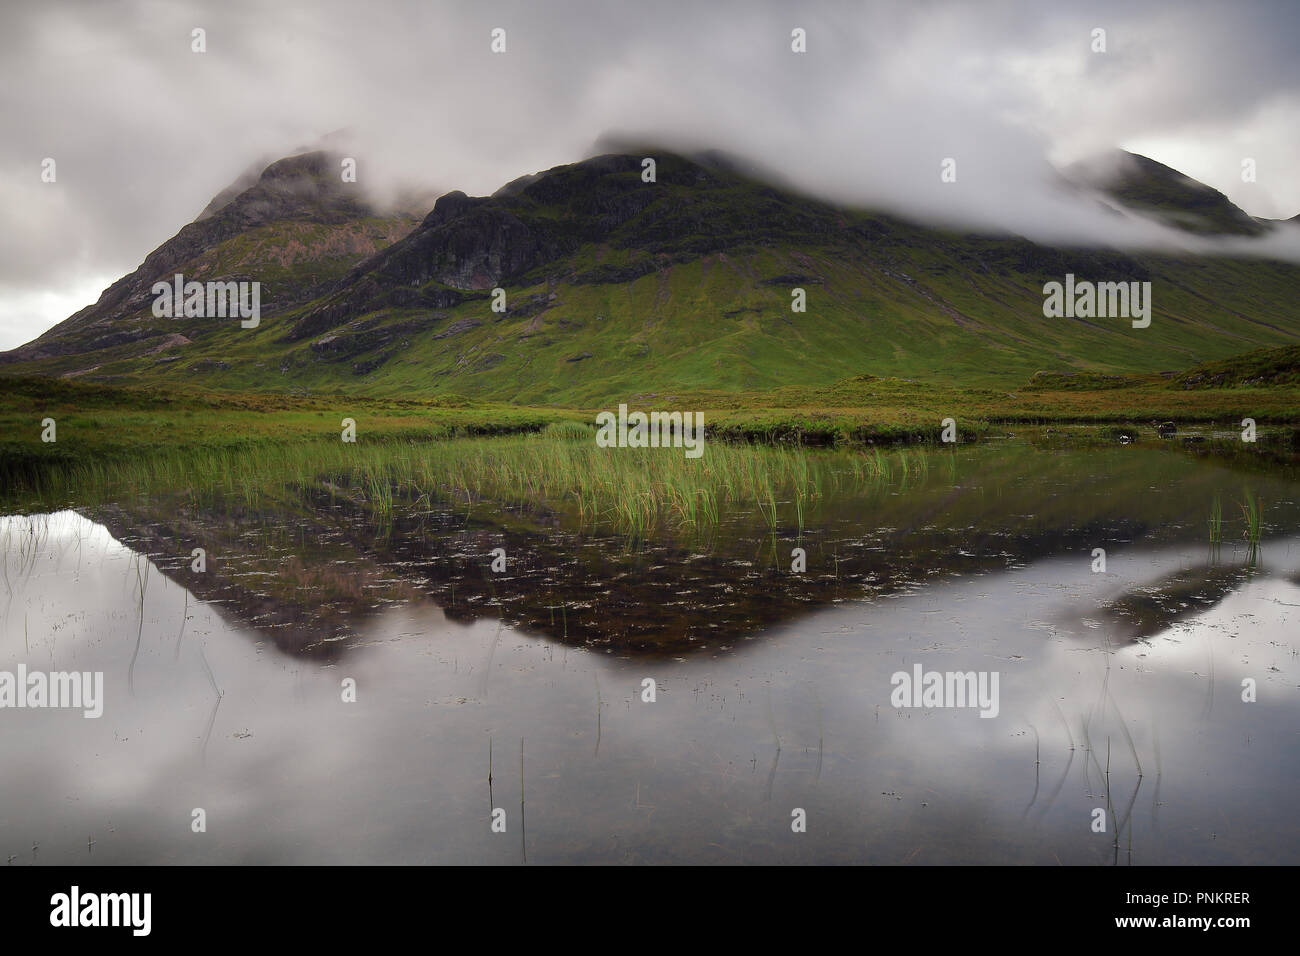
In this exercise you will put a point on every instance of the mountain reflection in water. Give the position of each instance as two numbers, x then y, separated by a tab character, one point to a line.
224	687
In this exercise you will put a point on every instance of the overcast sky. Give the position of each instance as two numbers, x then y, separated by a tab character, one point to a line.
144	131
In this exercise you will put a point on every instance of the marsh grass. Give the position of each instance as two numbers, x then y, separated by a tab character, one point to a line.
630	491
1251	512
633	491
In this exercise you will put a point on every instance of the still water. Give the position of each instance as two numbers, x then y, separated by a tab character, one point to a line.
518	698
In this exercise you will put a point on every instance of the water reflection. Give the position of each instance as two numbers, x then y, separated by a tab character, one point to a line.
523	692
306	574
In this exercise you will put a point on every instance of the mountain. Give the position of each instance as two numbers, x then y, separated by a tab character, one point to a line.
618	288
295	226
1152	189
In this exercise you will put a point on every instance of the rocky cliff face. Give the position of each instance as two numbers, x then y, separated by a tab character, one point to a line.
470	245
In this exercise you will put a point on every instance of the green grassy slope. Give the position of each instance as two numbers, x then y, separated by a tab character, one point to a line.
619	289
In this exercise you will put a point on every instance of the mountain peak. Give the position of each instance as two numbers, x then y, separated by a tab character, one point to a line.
295	215
612	275
1150	188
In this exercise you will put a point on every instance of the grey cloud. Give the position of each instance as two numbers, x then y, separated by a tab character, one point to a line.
145	132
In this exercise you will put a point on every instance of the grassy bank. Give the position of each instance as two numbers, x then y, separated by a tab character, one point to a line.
100	426
104	433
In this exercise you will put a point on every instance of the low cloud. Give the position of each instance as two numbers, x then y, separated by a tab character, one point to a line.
145	132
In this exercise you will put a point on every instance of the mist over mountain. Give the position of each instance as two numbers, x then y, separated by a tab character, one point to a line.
1143	186
145	130
294	221
611	278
